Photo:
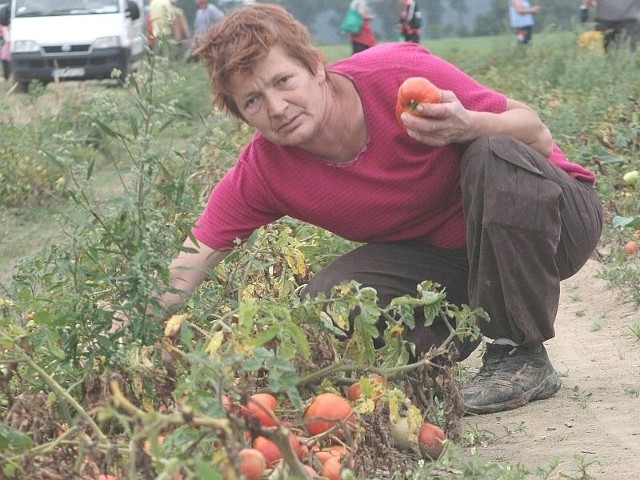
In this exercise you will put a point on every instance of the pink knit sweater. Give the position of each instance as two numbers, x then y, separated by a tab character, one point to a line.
395	189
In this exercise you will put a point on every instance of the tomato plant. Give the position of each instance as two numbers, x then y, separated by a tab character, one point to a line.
413	92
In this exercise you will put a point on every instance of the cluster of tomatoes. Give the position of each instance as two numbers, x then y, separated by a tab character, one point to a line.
328	415
327	411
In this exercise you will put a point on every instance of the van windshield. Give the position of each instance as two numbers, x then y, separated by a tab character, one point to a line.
46	8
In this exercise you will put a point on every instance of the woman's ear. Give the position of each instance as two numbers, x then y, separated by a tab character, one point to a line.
321	73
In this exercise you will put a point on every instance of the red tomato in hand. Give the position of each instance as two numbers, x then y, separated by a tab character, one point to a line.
413	92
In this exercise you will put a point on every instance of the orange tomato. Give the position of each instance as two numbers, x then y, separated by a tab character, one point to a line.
270	450
354	391
327	453
251	463
303	451
334	451
325	411
430	438
267	399
332	468
262	406
413	92
630	247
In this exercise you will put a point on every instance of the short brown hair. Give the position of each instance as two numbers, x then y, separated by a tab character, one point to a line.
244	37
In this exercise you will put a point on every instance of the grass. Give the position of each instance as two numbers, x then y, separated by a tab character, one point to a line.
22	234
635	330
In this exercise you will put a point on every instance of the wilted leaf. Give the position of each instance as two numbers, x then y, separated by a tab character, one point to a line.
173	325
296	263
214	343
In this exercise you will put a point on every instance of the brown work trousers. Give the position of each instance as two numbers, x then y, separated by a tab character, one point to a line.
529	226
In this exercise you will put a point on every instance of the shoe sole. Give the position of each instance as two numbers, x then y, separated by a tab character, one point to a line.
545	389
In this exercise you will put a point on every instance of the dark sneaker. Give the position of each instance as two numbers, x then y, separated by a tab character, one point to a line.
509	378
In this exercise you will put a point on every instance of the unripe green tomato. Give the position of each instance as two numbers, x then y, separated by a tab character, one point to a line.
631	178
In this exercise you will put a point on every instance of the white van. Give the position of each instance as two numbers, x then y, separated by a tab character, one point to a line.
57	40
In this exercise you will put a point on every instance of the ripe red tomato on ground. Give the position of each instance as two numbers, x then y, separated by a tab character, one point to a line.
270	450
332	468
325	411
430	438
262	406
413	92
251	463
630	247
355	389
334	451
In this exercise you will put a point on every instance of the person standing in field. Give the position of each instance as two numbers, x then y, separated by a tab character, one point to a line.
5	53
180	32
410	21
207	16
160	19
521	18
364	38
615	18
471	192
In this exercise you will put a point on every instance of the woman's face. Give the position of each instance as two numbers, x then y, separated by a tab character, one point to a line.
282	99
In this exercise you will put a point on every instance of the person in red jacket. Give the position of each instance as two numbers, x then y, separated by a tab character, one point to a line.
365	38
472	193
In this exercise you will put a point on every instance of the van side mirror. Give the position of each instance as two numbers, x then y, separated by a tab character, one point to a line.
133	11
5	15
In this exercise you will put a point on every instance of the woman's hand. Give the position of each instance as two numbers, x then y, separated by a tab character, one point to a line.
439	124
449	122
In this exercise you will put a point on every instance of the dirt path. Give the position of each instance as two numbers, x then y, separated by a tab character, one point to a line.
593	424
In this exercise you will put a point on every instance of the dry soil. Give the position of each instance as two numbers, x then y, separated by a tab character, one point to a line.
592	425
